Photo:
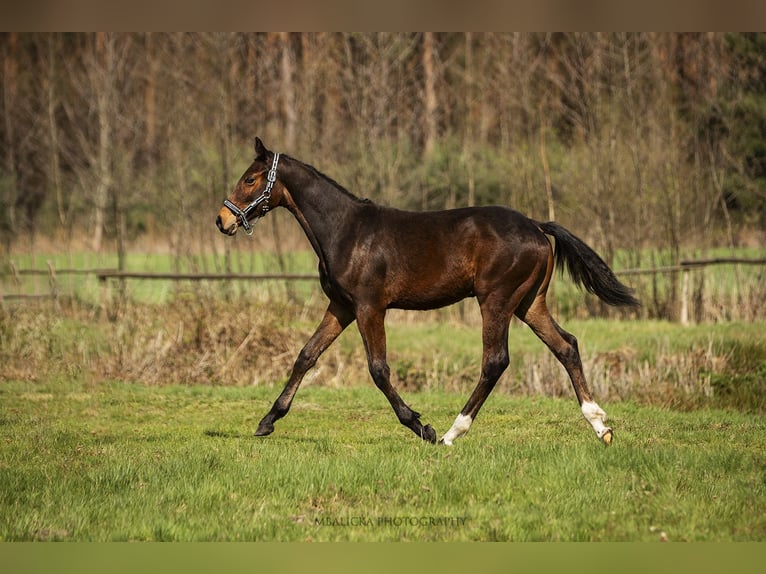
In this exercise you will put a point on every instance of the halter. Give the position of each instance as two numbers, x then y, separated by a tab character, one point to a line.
243	214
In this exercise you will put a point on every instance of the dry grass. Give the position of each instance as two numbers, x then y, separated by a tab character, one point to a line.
201	339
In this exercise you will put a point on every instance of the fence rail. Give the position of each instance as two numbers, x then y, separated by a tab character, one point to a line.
104	275
107	273
688	264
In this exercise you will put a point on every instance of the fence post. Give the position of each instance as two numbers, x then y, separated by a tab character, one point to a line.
16	279
685	297
52	283
103	291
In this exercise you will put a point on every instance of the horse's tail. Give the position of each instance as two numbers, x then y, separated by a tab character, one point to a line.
586	268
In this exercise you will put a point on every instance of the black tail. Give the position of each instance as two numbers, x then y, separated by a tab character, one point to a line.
588	269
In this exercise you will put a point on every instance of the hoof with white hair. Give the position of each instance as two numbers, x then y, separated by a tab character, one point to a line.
459	428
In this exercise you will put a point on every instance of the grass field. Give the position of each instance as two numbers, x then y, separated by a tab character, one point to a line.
115	461
135	422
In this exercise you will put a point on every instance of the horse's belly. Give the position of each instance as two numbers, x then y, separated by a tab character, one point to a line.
432	295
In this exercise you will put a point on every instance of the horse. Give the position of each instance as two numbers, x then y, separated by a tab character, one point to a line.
374	258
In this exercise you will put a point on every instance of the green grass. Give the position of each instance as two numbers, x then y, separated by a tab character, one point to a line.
99	441
114	461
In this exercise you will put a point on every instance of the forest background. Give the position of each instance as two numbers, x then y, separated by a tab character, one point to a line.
641	143
117	150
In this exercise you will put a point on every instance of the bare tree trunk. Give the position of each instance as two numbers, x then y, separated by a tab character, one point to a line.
251	75
53	134
468	143
309	65
121	233
717	176
288	90
105	96
632	107
10	74
229	77
429	96
546	168
332	102
150	99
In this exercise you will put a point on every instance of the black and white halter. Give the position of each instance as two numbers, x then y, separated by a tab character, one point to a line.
243	215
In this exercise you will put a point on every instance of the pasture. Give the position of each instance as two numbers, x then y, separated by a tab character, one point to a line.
138	426
115	461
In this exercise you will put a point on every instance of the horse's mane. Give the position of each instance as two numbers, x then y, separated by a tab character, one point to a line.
329	180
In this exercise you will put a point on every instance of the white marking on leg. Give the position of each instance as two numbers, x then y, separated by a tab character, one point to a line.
459	428
596	416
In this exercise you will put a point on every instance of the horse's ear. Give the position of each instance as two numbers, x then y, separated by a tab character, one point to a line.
260	149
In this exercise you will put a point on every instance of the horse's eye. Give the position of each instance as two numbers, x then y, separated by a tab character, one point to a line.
250	180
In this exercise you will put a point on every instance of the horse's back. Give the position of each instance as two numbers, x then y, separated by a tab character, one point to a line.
496	218
465	230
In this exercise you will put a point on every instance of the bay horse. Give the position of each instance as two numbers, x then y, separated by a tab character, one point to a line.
373	258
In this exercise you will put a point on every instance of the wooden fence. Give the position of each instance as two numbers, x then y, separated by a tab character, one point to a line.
104	275
685	267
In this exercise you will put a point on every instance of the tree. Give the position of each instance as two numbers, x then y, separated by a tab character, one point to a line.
635	139
9	182
737	121
430	104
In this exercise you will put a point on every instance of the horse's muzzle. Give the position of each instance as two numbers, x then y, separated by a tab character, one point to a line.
230	228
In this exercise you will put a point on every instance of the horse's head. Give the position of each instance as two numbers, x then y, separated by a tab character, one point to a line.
256	192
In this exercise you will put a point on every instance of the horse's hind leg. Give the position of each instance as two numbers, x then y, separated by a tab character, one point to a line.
335	320
564	347
495	359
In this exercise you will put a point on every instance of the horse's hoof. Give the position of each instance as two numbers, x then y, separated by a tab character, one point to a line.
607	437
264	429
429	434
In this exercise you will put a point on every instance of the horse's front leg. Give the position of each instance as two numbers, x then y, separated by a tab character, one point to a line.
372	328
335	320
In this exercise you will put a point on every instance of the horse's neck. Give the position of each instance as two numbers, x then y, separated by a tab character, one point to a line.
319	207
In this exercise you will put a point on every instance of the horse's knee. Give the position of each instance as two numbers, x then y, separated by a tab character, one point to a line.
495	365
304	361
380	373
